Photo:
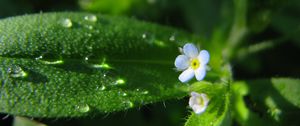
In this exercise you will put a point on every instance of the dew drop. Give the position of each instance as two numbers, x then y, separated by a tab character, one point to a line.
119	81
159	43
38	58
172	38
145	92
86	58
90	27
144	36
88	34
66	23
102	88
16	71
91	18
83	108
128	104
122	93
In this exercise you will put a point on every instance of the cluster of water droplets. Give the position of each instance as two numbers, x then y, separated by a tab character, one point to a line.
83	108
151	39
17	71
143	92
122	93
67	22
91	18
102	88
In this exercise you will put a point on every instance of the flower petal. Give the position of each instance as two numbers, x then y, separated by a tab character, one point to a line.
200	72
205	98
190	50
203	57
182	62
186	75
199	109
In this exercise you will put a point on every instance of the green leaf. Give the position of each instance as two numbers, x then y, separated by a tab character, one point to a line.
78	64
287	22
23	121
217	112
288	88
267	102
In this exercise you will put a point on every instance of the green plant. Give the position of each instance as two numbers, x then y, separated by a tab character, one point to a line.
80	64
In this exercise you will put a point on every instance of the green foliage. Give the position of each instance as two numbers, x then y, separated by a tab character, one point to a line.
288	88
77	64
267	102
286	21
64	65
107	6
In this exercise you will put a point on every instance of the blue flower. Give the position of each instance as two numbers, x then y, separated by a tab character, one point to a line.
192	63
198	102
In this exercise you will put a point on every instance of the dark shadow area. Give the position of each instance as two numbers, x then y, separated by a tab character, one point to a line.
6	120
259	92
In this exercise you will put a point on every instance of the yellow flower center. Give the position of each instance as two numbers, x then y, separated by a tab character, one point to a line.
200	101
195	63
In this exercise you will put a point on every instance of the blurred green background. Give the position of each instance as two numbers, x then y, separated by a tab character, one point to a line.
267	21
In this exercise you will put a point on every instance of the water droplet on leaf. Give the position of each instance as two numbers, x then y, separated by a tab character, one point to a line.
145	92
86	58
144	36
128	104
38	58
66	23
83	108
16	71
91	18
159	43
90	27
102	88
88	34
122	93
172	38
120	81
